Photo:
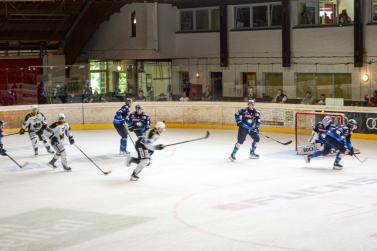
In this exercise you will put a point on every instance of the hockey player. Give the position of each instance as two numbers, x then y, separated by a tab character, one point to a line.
36	123
338	138
138	121
145	149
2	150
119	122
58	130
320	130
248	121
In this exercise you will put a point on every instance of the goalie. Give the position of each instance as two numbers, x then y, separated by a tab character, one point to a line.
319	131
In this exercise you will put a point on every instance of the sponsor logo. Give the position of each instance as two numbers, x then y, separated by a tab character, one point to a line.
371	123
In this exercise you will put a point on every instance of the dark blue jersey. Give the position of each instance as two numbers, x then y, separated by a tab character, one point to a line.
248	119
140	122
121	116
342	134
1	136
321	128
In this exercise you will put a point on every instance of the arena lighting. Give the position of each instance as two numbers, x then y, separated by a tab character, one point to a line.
134	21
197	74
119	68
365	77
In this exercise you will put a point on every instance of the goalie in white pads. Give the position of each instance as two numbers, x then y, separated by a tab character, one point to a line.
58	130
145	148
36	123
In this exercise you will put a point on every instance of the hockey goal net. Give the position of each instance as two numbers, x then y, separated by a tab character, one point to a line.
304	122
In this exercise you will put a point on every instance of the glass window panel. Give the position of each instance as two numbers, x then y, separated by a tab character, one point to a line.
242	17
215	19
327	10
324	85
276	15
374	10
346	8
97	65
187	20
343	86
306	12
274	81
260	16
202	20
304	82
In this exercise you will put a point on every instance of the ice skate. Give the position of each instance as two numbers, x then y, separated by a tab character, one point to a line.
134	177
253	155
67	168
232	157
337	166
52	164
307	158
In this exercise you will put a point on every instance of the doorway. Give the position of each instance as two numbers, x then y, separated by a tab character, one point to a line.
249	80
217	85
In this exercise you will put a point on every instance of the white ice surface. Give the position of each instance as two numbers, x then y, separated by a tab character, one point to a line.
196	199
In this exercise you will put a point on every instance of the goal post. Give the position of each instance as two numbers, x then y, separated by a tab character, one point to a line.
304	121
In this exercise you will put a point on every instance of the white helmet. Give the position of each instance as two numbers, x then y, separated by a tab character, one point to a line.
160	125
34	108
61	116
326	120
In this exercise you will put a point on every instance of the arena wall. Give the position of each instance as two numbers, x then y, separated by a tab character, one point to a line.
217	115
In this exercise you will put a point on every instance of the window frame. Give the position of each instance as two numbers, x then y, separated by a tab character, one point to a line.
194	25
251	7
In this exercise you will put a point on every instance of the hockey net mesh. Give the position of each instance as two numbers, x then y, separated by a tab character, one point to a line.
304	122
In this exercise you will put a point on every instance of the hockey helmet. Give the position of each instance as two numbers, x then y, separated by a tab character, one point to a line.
352	124
128	101
2	123
61	117
34	109
251	102
160	126
326	120
139	107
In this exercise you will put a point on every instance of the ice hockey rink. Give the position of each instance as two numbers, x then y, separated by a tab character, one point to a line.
191	197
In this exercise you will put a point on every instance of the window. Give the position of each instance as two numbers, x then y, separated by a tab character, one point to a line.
242	17
276	15
274	82
187	20
215	19
98	73
374	10
260	16
332	85
202	20
133	24
325	12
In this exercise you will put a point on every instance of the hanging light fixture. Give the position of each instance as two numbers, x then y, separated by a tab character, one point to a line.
365	77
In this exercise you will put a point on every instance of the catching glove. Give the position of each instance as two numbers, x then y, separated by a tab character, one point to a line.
22	131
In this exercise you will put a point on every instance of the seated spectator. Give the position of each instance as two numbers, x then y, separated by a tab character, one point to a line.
373	100
250	95
207	95
10	98
162	97
280	97
72	98
140	96
184	97
87	93
129	93
308	99
322	100
344	18
97	98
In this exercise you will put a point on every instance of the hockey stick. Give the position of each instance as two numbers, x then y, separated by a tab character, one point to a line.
360	160
354	154
15	162
11	134
283	143
105	173
187	141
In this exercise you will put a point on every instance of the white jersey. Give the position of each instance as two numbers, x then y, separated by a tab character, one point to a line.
151	136
34	122
59	131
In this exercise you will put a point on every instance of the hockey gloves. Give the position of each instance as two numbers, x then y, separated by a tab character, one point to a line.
159	147
54	140
22	131
71	140
131	128
2	150
351	151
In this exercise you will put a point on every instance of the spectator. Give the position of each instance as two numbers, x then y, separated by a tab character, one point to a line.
162	97
373	100
72	98
42	97
97	98
250	95
140	96
306	16
129	93
280	97
87	93
10	98
322	100
344	18
308	99
184	97
207	95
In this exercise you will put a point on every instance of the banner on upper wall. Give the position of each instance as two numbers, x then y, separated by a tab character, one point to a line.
366	122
